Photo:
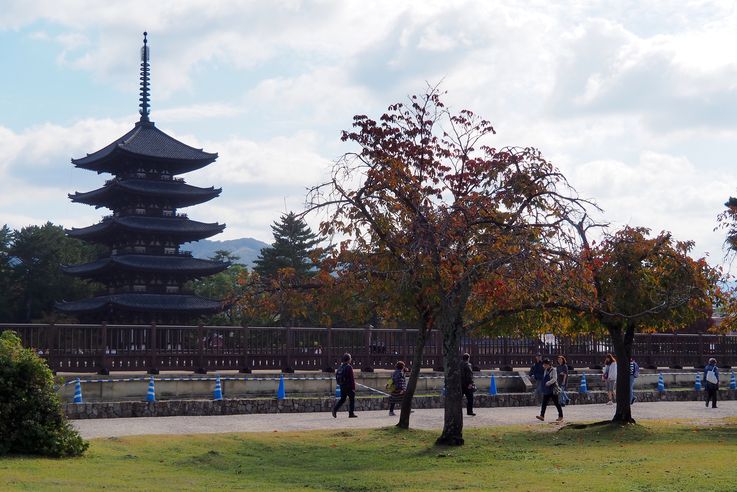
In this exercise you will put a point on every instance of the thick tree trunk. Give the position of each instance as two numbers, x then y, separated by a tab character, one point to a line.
414	375
452	328
622	342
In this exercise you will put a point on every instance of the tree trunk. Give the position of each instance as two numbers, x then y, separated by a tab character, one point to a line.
452	327
622	342
406	408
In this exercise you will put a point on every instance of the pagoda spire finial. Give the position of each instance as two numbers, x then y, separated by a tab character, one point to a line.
145	71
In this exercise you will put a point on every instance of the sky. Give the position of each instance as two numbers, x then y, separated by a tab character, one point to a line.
635	101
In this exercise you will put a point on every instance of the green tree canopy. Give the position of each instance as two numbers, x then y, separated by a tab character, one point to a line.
292	248
32	269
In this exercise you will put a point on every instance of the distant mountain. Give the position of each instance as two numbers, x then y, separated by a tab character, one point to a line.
246	247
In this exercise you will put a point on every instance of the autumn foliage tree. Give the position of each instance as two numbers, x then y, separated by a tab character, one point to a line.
631	282
443	210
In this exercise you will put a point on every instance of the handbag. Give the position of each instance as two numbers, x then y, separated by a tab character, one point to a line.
390	387
556	389
711	377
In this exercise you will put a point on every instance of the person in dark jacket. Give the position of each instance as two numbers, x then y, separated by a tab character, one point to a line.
344	376
550	390
712	387
537	372
400	385
467	383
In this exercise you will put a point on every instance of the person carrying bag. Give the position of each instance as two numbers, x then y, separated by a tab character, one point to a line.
711	376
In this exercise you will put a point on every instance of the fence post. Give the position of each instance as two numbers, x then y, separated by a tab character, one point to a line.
52	344
153	351
200	351
405	346
245	368
103	366
327	353
366	366
289	353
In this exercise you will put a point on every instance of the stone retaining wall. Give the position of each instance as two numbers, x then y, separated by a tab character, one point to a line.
324	404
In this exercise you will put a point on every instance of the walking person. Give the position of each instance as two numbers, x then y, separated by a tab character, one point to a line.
467	384
634	374
399	385
344	377
537	372
711	376
550	390
610	377
562	370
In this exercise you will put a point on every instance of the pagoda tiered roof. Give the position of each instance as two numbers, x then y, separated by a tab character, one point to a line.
186	229
179	193
170	303
185	265
146	143
145	275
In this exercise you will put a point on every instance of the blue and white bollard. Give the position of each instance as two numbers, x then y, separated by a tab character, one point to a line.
697	386
281	393
151	395
492	386
218	394
78	392
443	392
661	384
583	388
732	382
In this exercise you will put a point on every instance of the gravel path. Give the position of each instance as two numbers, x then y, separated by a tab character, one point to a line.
421	419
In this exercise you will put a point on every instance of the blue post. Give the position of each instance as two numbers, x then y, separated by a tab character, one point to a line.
281	394
492	386
732	382
337	391
583	387
218	395
443	392
661	384
697	386
78	392
151	395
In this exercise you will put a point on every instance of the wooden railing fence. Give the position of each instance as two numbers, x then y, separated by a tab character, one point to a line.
105	348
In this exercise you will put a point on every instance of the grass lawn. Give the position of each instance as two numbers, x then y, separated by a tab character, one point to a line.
652	456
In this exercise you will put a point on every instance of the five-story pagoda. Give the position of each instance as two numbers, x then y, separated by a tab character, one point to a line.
145	274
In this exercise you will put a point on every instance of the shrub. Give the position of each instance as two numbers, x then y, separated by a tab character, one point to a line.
31	418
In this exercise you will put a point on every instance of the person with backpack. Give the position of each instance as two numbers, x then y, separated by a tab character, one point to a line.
467	385
711	376
345	379
551	390
634	374
396	386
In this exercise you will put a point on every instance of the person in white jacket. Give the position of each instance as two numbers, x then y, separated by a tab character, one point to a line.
610	377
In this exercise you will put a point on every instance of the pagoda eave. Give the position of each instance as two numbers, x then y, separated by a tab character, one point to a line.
143	302
188	230
181	265
178	193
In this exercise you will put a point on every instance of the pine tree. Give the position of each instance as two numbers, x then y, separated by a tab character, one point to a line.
292	246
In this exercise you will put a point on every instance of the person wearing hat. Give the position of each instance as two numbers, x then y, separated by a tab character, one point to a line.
551	390
711	376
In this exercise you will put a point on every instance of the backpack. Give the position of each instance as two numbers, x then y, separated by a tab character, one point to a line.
340	375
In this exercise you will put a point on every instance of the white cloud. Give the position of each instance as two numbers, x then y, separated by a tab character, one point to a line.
662	192
634	100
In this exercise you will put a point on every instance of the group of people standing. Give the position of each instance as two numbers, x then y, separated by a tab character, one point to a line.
551	381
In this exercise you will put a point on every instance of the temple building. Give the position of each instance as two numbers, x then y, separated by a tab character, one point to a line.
146	274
